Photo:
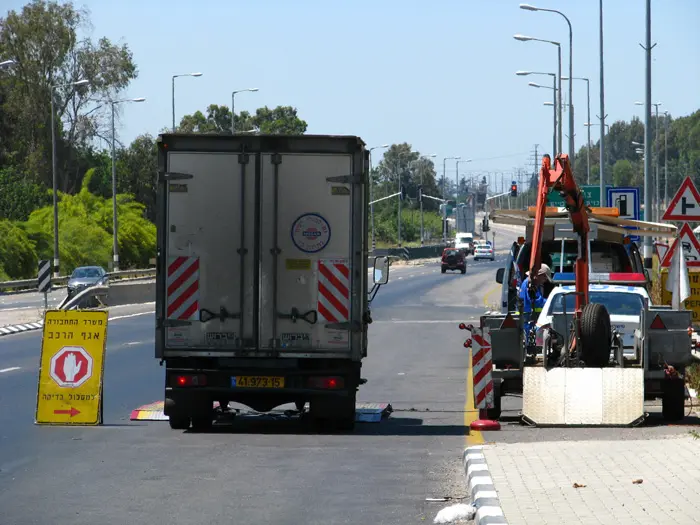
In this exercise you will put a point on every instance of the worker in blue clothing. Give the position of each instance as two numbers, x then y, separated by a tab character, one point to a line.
533	306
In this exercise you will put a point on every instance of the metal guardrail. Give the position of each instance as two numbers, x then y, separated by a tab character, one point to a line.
28	285
421	252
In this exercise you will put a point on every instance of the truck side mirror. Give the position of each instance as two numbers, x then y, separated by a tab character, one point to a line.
499	275
381	270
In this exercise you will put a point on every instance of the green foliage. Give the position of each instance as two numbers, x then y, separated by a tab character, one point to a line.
85	231
17	251
18	195
386	225
282	120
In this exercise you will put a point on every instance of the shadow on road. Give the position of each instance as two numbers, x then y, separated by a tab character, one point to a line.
391	426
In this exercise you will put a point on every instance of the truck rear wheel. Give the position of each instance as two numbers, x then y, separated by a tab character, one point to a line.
179	422
595	335
337	413
673	400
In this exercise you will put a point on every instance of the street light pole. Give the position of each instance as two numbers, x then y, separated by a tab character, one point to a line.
657	192
665	159
588	147
233	101
554	104
444	195
571	75
173	92
54	174
602	104
115	238
524	38
420	200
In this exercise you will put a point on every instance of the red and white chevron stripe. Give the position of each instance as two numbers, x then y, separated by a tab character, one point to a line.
334	290
481	368
183	288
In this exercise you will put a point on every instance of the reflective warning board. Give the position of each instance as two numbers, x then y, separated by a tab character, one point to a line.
71	367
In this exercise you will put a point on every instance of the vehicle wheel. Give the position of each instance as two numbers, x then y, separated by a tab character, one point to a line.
201	423
495	412
464	270
444	269
179	422
673	400
336	414
595	335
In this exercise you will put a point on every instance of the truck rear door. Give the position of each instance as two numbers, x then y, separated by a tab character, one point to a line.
260	254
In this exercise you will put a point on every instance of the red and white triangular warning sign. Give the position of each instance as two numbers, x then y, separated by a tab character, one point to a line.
661	250
690	246
685	205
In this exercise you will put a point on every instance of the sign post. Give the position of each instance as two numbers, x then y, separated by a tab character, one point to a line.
628	202
685	205
71	367
44	280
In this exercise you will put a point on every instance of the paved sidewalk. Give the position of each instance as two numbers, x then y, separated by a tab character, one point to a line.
628	482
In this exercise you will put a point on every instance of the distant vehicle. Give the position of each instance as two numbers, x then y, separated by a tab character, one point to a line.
483	250
86	276
454	259
624	304
465	243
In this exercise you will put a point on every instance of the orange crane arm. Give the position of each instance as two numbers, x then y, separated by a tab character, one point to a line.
562	180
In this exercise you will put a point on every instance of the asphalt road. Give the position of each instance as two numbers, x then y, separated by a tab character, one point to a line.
254	471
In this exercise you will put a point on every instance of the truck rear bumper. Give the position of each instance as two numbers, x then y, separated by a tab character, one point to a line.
189	391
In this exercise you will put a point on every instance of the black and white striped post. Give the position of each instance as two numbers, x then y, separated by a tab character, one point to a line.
44	280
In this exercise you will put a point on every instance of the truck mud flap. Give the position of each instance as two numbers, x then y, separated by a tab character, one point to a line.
583	396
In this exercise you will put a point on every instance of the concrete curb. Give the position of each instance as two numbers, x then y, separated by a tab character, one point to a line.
481	489
19	328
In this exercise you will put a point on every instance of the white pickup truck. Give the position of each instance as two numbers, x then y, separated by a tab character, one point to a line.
262	274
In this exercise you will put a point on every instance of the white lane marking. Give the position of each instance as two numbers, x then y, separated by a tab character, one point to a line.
131	343
130	315
11	369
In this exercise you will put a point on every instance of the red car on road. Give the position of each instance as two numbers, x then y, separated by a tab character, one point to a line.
453	259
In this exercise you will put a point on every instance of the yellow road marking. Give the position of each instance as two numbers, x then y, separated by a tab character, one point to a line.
471	414
490	293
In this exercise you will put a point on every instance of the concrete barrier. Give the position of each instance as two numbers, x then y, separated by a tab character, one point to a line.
133	292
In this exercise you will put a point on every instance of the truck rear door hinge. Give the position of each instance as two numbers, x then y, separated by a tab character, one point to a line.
207	315
345	179
173	175
351	327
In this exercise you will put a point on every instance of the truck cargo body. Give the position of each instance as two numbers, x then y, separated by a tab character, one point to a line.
262	272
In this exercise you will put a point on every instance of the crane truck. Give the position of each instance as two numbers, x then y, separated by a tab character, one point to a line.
579	376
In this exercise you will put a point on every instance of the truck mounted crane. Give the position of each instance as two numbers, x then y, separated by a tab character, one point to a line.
591	322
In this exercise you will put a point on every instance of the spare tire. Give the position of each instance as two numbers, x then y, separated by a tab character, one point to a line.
452	260
596	334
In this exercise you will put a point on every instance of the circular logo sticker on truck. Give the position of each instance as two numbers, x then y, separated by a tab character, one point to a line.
311	233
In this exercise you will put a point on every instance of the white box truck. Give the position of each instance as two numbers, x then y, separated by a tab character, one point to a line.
262	274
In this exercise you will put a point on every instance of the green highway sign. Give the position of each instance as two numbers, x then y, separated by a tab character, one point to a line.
591	194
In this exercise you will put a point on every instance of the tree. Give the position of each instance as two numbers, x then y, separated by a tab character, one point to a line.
43	40
282	120
136	172
623	173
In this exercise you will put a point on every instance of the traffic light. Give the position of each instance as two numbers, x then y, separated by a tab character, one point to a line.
514	189
485	224
402	196
420	193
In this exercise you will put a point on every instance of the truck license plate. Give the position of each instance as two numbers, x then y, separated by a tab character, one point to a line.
257	382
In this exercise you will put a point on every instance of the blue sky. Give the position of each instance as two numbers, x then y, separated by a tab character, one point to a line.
439	75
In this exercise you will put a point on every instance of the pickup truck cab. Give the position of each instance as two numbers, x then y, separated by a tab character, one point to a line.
608	258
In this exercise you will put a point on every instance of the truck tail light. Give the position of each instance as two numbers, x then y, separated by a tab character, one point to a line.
188	380
327	383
